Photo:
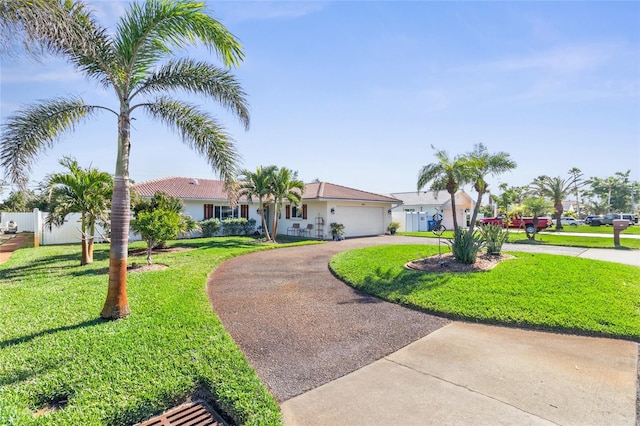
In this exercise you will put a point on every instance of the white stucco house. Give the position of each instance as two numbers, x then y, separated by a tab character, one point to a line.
362	213
428	203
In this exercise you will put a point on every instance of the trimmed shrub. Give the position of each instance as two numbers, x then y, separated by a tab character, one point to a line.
210	227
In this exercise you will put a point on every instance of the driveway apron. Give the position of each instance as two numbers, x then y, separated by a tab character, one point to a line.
299	326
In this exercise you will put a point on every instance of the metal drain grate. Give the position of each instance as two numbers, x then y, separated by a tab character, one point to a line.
195	414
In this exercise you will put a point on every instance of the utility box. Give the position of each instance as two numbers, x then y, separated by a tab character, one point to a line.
618	226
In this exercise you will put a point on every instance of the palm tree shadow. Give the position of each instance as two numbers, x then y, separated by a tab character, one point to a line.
30	337
394	286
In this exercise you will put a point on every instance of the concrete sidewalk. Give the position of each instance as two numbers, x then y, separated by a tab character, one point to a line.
482	375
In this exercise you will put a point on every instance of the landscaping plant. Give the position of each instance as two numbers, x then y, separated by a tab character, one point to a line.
465	245
494	237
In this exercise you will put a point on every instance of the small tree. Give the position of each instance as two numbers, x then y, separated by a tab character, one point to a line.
84	191
536	207
160	219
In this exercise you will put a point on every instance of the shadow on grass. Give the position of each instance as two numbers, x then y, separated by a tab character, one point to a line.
395	286
24	339
55	265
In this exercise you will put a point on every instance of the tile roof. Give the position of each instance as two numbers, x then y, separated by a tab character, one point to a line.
184	188
330	191
209	189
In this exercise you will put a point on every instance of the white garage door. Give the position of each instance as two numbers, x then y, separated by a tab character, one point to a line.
361	221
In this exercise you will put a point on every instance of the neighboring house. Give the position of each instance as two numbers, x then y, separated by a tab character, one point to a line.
362	213
429	203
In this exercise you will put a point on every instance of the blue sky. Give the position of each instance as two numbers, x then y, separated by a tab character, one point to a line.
356	93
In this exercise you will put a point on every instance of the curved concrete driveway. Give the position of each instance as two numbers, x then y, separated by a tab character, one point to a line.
307	334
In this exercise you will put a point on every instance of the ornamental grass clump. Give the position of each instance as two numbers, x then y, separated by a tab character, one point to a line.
465	245
494	237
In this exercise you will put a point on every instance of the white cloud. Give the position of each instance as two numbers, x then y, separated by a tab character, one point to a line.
563	59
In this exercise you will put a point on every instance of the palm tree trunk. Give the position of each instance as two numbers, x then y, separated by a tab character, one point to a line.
264	222
453	210
476	209
92	231
116	305
559	211
84	258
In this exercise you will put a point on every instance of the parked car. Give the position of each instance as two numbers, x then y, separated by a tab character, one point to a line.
609	218
12	228
589	218
572	221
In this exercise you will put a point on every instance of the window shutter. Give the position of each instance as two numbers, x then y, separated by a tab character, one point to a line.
288	211
208	211
244	211
304	211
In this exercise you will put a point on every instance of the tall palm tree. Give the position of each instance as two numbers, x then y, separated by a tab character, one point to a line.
445	174
482	164
285	186
577	175
556	189
84	191
133	62
258	185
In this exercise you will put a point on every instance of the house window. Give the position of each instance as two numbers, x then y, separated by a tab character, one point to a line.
225	212
297	212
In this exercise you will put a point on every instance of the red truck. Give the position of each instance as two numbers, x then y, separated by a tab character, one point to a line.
518	222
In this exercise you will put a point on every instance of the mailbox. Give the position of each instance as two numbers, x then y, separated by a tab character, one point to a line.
620	224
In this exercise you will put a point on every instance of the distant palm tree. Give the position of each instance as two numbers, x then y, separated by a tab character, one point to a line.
134	63
285	186
258	185
482	164
445	174
557	190
536	207
84	191
577	175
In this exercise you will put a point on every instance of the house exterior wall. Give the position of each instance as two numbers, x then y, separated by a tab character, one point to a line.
360	219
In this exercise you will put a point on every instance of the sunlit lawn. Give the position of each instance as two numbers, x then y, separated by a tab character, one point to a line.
533	290
55	349
560	238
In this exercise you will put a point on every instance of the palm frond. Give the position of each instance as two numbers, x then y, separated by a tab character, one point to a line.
35	128
63	28
201	132
152	30
200	78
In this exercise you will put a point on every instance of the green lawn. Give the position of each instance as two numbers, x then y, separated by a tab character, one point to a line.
533	290
54	347
632	230
559	238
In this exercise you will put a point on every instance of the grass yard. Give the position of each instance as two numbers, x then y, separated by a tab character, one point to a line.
556	238
586	229
55	352
533	290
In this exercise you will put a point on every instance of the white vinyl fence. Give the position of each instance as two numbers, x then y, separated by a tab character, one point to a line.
34	222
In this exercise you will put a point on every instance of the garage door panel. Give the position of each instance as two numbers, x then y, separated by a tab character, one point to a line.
361	221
